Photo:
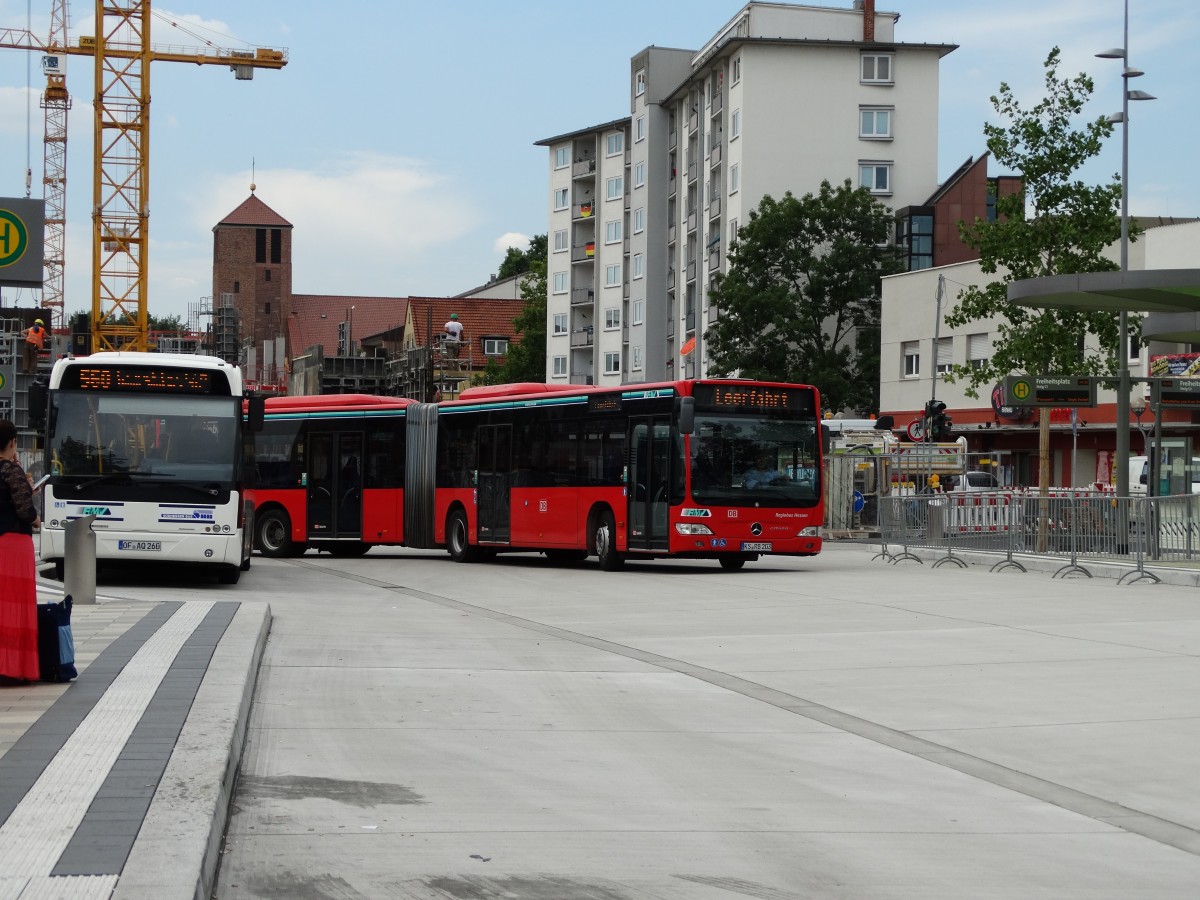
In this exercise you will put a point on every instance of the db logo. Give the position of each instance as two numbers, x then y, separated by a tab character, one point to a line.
542	505
731	513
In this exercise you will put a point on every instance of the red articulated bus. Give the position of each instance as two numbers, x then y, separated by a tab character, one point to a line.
715	469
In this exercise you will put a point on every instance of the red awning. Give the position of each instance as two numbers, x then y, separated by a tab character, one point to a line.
688	346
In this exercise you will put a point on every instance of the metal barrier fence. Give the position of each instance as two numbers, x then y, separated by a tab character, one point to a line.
1077	526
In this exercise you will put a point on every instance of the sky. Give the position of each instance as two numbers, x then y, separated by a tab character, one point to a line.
399	139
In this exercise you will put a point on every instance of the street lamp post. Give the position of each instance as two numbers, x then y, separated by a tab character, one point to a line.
1123	383
1139	410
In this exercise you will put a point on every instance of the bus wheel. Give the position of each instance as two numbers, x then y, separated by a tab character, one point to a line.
229	574
732	562
458	541
606	543
274	534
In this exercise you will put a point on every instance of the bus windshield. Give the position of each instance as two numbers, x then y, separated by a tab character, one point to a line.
749	460
144	437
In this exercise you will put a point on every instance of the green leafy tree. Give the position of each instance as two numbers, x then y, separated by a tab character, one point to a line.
518	262
1057	226
167	323
526	357
801	299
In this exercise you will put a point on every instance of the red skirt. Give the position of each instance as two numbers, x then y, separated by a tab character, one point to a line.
18	608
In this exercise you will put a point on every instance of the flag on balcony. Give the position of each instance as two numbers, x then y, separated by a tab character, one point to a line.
688	346
590	248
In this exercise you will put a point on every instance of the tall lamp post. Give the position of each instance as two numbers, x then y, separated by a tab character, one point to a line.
1123	383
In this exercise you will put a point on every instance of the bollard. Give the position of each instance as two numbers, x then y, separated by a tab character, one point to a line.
79	560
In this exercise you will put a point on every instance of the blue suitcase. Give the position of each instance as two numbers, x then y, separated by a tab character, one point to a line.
56	643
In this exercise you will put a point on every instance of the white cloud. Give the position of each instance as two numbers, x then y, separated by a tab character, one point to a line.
511	239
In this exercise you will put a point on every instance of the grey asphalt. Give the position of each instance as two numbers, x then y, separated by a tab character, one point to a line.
119	784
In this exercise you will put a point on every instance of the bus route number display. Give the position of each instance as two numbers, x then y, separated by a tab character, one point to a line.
119	379
760	398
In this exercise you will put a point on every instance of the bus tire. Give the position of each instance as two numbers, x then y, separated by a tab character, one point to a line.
458	538
732	563
229	574
605	540
273	534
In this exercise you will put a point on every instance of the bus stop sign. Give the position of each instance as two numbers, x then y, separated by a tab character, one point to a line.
1176	392
1049	390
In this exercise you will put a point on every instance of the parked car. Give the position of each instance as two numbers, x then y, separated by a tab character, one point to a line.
971	481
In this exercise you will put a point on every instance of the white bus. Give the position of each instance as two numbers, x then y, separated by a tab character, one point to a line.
151	445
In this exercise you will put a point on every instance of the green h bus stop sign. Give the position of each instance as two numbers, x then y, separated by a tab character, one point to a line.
1049	390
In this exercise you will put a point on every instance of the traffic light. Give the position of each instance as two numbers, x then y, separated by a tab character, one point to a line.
939	423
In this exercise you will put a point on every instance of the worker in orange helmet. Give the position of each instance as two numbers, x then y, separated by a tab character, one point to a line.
35	339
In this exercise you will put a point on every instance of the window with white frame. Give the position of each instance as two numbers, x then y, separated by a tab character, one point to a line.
639	220
639	265
562	157
612	318
735	124
636	364
615	143
560	366
877	68
560	240
978	350
614	188
612	231
495	346
561	282
875	177
875	122
560	323
732	231
639	82
735	178
945	350
639	174
735	70
911	353
639	129
636	312
612	363
562	198
612	276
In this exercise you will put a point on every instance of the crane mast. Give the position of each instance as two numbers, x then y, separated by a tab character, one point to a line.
56	102
122	52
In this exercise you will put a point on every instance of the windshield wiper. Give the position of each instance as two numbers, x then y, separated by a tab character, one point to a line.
211	489
110	476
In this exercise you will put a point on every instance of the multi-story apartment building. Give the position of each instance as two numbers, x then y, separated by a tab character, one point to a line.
643	209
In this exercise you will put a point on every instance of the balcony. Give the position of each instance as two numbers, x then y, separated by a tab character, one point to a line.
671	328
583	168
581	337
689	321
671	182
584	252
583	297
714	259
693	171
581	379
714	155
714	208
693	122
718	102
671	230
692	221
691	271
625	333
714	313
584	210
673	139
670	278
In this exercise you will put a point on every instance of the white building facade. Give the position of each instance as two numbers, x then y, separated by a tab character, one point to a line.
781	98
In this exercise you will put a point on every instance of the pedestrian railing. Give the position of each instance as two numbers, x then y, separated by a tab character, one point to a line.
1079	527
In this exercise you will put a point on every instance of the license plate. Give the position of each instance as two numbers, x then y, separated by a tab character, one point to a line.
155	546
759	547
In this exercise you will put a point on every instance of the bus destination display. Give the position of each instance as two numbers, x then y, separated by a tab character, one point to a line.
122	379
752	398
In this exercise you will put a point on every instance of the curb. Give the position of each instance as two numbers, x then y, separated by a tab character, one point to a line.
178	849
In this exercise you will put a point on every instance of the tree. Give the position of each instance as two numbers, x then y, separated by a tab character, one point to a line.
801	299
1057	226
517	262
526	357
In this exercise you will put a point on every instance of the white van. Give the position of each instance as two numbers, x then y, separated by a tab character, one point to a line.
971	481
1139	475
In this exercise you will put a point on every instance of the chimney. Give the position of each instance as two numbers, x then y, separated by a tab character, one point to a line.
868	9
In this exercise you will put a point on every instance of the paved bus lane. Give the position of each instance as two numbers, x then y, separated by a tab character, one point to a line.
831	727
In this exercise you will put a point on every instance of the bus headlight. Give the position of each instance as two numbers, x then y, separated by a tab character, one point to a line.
692	528
810	531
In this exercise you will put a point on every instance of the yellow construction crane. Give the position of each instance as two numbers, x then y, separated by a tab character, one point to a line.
122	53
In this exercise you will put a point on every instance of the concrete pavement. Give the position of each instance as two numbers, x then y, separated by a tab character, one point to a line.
119	784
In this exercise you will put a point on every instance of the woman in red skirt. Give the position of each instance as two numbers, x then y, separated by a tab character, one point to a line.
18	587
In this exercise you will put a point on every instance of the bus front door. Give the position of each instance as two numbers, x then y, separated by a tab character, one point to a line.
649	482
494	482
335	485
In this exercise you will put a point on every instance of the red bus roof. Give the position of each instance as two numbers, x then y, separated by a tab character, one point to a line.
335	401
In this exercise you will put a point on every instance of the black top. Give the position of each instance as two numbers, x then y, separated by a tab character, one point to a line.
17	511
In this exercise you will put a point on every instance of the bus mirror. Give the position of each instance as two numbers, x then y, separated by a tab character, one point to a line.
256	413
687	415
39	390
826	440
